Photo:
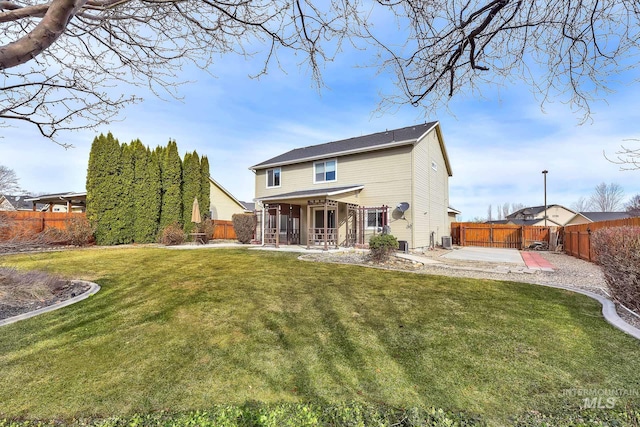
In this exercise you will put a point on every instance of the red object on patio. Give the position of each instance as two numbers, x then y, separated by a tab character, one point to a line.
535	261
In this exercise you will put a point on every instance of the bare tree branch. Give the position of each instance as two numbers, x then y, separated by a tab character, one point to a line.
85	54
627	158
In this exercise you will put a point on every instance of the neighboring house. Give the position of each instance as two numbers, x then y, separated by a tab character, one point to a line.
588	217
557	215
60	202
17	203
343	192
223	203
453	215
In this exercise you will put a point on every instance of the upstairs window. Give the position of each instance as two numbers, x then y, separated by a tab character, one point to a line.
324	171
273	178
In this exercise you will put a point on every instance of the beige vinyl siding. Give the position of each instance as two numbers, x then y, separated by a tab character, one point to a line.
558	214
222	206
386	175
431	197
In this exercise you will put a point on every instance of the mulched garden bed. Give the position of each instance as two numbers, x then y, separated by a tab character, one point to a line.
63	291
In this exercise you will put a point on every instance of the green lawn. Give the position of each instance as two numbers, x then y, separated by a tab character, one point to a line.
182	330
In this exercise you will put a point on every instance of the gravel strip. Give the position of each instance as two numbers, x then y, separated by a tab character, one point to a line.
568	271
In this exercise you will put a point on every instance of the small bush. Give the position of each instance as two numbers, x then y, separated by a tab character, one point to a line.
382	246
172	235
245	226
78	232
617	250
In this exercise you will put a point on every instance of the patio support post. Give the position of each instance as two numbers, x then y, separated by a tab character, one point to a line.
263	225
346	227
278	226
337	224
309	222
68	206
325	225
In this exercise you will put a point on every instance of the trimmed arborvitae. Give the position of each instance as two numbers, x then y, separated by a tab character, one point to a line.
205	188
126	200
103	182
191	179
171	211
146	187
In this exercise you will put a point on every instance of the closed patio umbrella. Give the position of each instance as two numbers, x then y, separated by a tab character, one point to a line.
195	212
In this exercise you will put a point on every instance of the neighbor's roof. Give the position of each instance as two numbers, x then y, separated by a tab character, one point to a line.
250	206
19	202
532	221
376	141
605	216
534	210
79	198
320	192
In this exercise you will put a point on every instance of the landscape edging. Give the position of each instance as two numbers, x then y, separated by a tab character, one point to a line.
93	288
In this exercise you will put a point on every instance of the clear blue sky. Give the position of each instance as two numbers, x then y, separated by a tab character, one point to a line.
498	145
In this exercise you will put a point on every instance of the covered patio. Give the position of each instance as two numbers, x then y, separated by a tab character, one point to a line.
326	218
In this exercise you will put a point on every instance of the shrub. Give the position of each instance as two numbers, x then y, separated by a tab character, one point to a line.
617	250
78	231
172	235
382	246
244	225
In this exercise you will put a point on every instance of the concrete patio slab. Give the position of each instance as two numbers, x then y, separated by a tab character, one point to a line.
495	255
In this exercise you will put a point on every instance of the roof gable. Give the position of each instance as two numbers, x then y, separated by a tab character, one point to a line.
533	211
376	141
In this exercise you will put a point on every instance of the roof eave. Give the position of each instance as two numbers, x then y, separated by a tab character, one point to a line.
337	154
303	196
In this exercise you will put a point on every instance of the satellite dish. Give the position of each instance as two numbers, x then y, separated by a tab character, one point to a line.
403	207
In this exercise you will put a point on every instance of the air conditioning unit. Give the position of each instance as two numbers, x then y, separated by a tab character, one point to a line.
446	242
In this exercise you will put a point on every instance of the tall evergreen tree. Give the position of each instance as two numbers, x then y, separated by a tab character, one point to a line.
171	186
191	178
146	188
126	200
205	188
103	178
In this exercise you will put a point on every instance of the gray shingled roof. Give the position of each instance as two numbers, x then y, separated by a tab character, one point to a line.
313	193
361	143
18	201
605	216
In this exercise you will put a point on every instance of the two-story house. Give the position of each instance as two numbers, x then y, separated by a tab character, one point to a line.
342	192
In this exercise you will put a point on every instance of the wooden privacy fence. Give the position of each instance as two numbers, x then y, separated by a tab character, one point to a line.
577	238
30	223
223	230
497	235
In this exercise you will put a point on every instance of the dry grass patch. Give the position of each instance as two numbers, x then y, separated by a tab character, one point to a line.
18	287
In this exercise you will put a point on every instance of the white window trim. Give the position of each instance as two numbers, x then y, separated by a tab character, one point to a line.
313	171
267	178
